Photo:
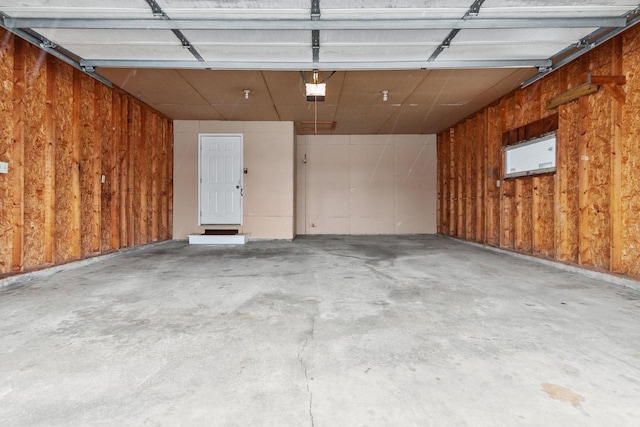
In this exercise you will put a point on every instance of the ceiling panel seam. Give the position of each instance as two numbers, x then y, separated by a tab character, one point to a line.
338	102
266	84
492	87
201	95
403	101
157	11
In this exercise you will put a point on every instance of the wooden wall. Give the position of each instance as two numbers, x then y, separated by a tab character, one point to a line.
60	132
588	212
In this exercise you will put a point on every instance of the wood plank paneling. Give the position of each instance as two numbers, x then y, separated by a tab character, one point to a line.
630	160
89	168
34	156
508	187
104	105
446	162
544	216
588	211
61	131
453	183
598	213
480	176
126	222
569	134
76	192
616	162
115	171
469	184
550	87
525	215
148	139
154	179
461	174
544	187
526	111
137	234
8	151
16	166
49	184
143	173
494	174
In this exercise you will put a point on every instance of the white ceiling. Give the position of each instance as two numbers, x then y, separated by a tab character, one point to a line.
115	38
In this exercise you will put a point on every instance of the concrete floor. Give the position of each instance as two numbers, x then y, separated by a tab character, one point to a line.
322	331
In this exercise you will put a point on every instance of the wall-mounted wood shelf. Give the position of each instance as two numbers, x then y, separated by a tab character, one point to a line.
593	84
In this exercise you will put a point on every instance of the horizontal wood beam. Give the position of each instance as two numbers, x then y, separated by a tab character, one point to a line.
611	83
571	95
605	80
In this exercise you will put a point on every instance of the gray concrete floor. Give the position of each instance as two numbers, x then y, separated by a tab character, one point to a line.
322	331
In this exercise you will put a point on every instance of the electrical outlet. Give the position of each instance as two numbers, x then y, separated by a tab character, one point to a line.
4	167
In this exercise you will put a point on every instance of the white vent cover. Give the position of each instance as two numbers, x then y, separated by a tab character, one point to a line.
531	157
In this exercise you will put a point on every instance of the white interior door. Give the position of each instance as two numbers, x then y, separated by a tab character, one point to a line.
220	181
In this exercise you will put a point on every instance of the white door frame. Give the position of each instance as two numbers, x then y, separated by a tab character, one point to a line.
200	135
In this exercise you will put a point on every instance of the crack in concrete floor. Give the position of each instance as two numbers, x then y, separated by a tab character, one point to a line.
305	368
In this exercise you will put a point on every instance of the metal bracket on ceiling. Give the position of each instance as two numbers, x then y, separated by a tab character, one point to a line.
46	43
445	44
315	34
474	10
315	45
582	43
315	10
583	46
447	41
157	11
316	76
